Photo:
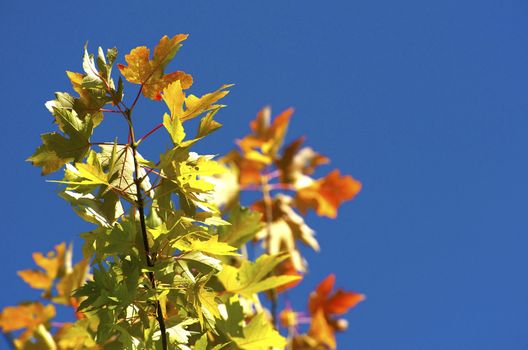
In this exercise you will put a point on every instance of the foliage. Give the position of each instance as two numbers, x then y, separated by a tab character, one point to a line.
166	264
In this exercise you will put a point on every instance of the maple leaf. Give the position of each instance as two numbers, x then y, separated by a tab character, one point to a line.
71	281
326	195
248	170
267	137
297	163
285	229
150	73
53	266
209	246
251	278
183	108
323	305
260	335
245	223
28	316
287	268
56	149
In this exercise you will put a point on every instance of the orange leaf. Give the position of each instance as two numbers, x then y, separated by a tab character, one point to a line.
323	305
150	73
25	316
341	301
36	279
326	195
321	330
267	136
287	268
296	163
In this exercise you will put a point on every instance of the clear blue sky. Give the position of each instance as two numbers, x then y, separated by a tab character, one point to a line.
426	102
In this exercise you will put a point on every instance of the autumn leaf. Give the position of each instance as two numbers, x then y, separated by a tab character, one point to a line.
183	108
259	335
323	305
252	278
52	264
267	136
150	73
287	268
209	246
297	163
28	316
326	195
286	228
248	170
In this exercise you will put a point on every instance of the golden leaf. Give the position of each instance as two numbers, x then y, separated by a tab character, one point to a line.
150	73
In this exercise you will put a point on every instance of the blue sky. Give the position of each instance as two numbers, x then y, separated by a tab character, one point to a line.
424	101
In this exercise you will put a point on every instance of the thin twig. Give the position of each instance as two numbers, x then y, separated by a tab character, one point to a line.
268	205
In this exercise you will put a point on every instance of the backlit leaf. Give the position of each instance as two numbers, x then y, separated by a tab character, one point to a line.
259	334
253	278
150	73
326	195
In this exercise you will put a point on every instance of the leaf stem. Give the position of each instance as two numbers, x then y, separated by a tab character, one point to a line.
149	133
137	98
268	205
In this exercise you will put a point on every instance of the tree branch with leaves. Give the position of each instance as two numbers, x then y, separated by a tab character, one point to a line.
166	264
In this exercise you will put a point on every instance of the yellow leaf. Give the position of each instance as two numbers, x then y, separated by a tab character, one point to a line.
175	99
252	278
36	279
25	316
150	73
259	334
210	246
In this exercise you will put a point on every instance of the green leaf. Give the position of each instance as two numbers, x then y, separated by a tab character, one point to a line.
201	344
259	334
177	334
103	211
245	223
251	278
232	319
56	149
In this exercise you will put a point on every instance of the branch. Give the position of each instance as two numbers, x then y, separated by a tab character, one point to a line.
141	210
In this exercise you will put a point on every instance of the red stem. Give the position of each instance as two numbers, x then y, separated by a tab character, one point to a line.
150	132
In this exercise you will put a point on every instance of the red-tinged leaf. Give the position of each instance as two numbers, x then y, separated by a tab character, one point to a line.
297	163
341	301
150	73
287	268
325	287
267	137
323	305
327	194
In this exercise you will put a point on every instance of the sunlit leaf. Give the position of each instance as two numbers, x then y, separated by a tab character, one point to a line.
150	73
326	195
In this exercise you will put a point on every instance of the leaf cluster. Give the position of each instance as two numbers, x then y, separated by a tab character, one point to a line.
166	265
